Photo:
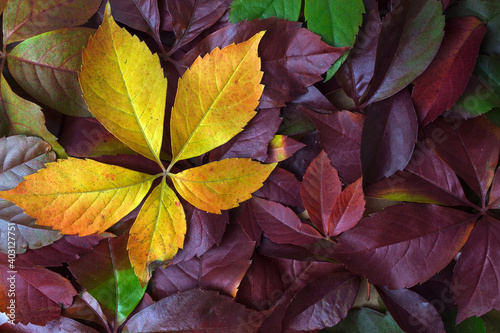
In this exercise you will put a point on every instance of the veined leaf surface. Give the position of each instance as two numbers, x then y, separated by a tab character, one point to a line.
216	98
158	231
80	196
124	87
221	185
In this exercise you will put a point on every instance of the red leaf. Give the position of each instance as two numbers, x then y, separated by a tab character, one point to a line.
442	83
319	189
281	186
405	244
348	209
39	294
461	144
195	311
340	134
412	312
476	277
281	224
389	135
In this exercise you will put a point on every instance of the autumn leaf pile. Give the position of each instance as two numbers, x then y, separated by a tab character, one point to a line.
250	166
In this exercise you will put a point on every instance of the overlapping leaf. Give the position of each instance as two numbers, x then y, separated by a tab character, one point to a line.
262	9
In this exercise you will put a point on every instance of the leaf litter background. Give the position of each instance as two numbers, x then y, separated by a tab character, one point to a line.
386	173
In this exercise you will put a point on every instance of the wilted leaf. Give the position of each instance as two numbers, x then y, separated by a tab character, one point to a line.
348	209
221	185
158	231
442	83
262	9
124	87
23	19
80	196
111	280
46	67
215	99
19	116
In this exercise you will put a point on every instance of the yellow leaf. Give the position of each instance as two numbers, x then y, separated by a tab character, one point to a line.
221	185
216	98
157	232
124	87
80	196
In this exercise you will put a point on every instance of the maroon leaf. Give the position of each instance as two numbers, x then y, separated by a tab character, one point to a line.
221	268
245	216
461	144
348	209
195	311
60	325
322	303
340	134
281	224
426	179
476	280
298	163
37	294
319	189
405	244
252	142
295	252
294	54
412	312
442	83
389	136
281	186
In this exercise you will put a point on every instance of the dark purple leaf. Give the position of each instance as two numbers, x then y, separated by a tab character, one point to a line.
412	312
195	311
389	136
476	280
340	134
60	325
319	251
141	15
298	163
405	244
348	209
494	201
245	216
281	186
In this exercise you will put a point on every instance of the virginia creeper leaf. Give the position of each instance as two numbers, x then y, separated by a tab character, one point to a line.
124	87
262	9
158	231
80	196
19	116
215	99
111	280
221	185
281	186
46	67
141	15
366	320
348	209
442	83
25	18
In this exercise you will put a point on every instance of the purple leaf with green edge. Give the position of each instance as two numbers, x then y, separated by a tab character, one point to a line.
426	179
319	190
364	320
195	311
401	245
67	249
111	280
59	325
220	268
322	303
476	277
204	230
22	117
389	136
442	83
281	224
290	52
86	307
39	294
47	66
461	145
348	209
340	134
281	186
409	39
412	312
494	199
355	74
298	163
25	18
191	17
252	141
282	147
245	216
262	9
